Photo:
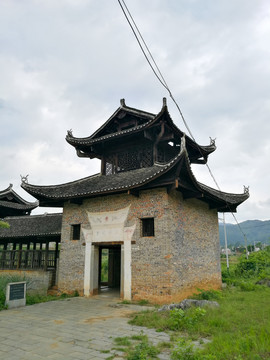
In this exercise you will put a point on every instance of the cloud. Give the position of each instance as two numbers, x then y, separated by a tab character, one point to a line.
65	65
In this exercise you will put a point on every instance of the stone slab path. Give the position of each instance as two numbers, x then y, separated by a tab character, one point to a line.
71	329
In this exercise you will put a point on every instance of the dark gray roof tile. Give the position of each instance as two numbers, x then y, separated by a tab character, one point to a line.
100	184
34	225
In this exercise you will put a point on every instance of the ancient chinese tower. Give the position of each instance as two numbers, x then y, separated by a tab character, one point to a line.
158	224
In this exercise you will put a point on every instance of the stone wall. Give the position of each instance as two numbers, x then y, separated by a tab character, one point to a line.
182	256
195	258
37	282
150	272
71	260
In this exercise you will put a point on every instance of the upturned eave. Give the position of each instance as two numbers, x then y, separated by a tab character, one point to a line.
176	174
84	146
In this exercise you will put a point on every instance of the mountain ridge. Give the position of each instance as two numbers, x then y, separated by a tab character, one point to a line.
255	231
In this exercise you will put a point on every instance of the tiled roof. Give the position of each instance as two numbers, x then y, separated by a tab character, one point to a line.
33	225
135	179
129	110
101	184
12	205
151	119
231	199
20	203
222	201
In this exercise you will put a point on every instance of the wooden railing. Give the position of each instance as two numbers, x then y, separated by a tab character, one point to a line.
27	259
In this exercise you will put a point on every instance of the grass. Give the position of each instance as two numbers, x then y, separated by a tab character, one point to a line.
122	341
239	329
37	299
137	347
151	319
142	302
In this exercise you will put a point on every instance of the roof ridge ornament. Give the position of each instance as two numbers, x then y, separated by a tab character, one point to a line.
24	179
183	143
212	141
69	132
246	190
164	102
122	102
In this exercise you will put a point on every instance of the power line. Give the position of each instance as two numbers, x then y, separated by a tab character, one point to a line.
137	38
156	71
163	82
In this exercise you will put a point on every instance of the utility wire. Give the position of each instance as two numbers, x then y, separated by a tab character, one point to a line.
163	82
137	38
160	77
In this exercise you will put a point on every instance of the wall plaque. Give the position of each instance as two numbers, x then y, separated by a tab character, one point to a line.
16	294
16	291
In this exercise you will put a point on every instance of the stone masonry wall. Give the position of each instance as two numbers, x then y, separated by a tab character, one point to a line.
150	272
150	203
195	257
71	260
182	256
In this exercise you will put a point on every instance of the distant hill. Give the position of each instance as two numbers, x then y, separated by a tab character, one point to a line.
255	230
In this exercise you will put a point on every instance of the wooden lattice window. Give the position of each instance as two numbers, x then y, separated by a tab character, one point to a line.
129	160
147	156
76	232
148	227
133	158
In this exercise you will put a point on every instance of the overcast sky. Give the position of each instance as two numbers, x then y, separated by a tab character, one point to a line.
66	64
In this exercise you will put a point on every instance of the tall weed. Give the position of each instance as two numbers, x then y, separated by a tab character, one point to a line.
183	351
143	351
180	319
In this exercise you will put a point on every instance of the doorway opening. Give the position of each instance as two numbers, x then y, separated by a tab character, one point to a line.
109	280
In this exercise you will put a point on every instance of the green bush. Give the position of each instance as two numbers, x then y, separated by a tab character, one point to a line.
248	271
179	319
256	264
208	294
